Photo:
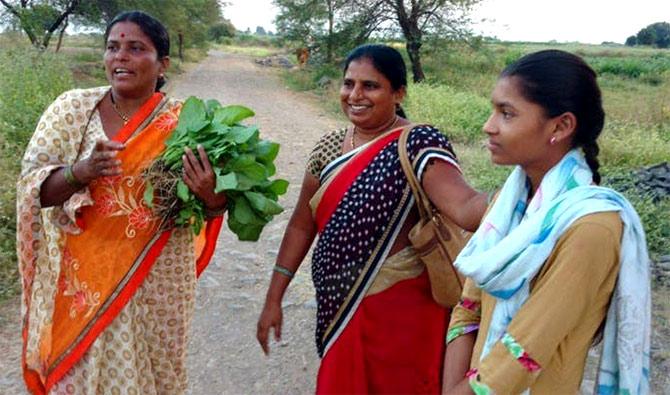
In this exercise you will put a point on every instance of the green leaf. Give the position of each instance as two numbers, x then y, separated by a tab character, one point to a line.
242	211
182	191
223	183
149	195
244	232
241	162
278	187
266	151
241	134
263	204
245	183
212	105
230	115
255	171
193	115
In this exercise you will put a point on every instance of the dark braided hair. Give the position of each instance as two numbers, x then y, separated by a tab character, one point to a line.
386	60
561	82
152	28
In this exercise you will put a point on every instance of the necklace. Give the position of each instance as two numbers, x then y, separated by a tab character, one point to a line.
117	111
353	132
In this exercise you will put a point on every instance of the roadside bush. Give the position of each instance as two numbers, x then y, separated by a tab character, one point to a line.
29	82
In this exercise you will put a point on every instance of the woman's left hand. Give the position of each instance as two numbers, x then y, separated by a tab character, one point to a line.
200	178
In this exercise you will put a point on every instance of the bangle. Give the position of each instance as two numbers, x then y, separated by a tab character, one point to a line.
70	177
283	270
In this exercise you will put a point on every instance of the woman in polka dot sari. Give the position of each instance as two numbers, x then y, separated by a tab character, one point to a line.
378	328
107	295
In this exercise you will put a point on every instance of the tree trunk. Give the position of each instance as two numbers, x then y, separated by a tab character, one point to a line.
329	43
180	36
414	51
60	35
409	24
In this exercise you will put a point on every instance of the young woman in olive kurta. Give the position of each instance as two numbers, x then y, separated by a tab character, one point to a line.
556	258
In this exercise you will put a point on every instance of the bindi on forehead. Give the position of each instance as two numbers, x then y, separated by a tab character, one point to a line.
123	35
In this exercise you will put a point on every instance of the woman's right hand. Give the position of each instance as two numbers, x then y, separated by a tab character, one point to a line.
271	317
101	163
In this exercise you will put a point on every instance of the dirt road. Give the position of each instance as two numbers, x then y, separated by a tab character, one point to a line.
223	355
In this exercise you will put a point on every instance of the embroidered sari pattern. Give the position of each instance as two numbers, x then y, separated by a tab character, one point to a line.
358	236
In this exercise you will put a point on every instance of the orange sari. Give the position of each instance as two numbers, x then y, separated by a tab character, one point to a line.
102	263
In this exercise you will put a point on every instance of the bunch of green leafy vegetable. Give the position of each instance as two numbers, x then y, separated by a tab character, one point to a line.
242	163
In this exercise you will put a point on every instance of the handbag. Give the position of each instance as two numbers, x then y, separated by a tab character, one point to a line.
436	239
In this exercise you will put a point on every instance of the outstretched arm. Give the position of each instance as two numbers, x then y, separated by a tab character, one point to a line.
453	196
297	240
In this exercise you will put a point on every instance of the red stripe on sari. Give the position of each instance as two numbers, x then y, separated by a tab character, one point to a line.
346	176
111	313
136	120
211	236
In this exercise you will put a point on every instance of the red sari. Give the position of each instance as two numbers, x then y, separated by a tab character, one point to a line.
386	334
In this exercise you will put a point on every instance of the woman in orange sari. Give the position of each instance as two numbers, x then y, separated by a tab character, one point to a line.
107	293
378	328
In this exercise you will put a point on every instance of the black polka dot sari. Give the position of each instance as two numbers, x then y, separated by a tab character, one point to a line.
362	204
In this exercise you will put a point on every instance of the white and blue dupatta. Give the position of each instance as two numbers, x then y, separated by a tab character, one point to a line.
515	239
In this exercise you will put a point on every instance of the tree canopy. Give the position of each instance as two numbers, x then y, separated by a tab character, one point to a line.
657	35
189	22
339	25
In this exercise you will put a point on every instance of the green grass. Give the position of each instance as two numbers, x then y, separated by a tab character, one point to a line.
255	51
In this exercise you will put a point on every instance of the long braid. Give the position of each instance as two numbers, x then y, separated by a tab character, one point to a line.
591	151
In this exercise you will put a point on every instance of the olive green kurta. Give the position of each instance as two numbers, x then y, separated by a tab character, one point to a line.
568	302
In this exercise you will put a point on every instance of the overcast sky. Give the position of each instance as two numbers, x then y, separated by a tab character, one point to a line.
586	21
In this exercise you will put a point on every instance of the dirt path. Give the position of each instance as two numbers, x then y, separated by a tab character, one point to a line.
224	357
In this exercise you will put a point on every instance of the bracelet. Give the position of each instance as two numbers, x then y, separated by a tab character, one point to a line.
283	270
71	179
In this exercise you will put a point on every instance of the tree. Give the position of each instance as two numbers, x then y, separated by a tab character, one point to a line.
260	31
189	21
40	19
656	34
333	24
221	30
646	36
419	17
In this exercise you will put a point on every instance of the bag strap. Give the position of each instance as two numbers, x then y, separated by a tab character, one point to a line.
423	204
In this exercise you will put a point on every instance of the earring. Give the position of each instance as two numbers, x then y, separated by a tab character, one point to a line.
552	141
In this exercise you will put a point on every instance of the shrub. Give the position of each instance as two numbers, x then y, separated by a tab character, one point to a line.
30	81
